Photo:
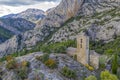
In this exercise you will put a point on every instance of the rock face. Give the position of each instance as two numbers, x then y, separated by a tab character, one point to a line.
93	12
32	15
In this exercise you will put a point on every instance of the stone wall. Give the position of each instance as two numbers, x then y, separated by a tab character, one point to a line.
94	59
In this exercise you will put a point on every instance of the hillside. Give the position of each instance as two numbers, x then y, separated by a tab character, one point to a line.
11	26
40	54
55	21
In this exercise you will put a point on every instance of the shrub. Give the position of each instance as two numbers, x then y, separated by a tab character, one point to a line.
8	58
12	64
25	64
91	78
68	73
114	64
89	67
102	61
44	58
109	52
22	73
105	75
51	63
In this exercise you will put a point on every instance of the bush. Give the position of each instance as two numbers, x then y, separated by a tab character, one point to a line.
89	67
44	58
51	63
68	73
91	78
12	64
25	64
109	52
115	64
102	61
105	75
8	58
22	73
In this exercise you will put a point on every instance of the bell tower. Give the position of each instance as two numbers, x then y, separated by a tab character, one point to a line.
82	49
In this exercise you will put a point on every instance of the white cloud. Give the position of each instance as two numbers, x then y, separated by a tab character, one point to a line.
4	10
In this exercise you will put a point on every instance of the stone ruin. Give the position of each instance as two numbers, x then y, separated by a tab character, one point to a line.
82	52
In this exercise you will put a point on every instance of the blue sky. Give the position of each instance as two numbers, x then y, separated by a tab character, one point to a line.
16	6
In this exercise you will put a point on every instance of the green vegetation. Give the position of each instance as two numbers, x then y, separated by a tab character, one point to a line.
20	68
5	33
89	67
11	64
68	73
105	75
102	62
23	72
51	63
115	64
91	78
43	58
106	48
47	61
25	64
50	48
57	47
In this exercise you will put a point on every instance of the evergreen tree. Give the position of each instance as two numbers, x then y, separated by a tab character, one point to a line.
114	64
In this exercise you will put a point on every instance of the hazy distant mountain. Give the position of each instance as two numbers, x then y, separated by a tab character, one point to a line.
32	15
13	26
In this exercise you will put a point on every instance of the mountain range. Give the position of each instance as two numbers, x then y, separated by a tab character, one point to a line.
61	20
30	14
14	24
99	19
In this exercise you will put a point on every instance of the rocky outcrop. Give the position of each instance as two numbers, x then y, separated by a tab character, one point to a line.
101	26
52	24
37	69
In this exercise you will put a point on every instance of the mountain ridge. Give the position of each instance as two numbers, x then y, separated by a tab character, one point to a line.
54	20
30	14
13	26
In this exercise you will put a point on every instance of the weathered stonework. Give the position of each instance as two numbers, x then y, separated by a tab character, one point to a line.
94	59
82	49
84	55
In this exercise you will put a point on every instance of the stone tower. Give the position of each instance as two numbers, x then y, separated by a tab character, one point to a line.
83	49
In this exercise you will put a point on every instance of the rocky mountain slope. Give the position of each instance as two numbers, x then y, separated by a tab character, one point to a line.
13	26
39	71
67	20
32	15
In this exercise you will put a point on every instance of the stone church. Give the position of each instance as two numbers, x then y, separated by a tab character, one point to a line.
84	55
